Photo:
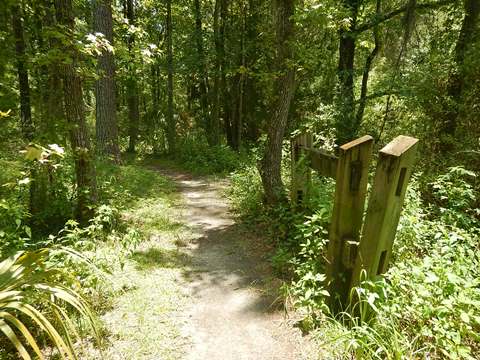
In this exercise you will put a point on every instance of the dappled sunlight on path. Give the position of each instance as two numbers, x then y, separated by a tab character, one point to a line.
234	311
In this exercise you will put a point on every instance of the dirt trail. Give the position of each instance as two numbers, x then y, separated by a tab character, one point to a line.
231	314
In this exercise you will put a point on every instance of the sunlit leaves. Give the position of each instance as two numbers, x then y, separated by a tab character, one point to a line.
5	114
42	154
25	280
96	44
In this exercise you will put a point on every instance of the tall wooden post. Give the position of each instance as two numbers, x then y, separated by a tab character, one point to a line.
394	169
351	185
301	173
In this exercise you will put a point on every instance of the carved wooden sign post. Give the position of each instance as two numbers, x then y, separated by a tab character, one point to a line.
349	254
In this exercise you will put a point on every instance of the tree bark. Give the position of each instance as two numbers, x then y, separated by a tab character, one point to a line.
345	123
270	170
241	84
466	39
52	112
171	125
252	95
105	93
132	86
202	72
26	122
218	84
75	115
38	189
366	72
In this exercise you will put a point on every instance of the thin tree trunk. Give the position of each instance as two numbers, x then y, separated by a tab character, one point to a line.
132	86
75	115
270	170
366	72
251	92
26	122
468	35
241	84
202	71
155	112
345	124
105	93
226	93
37	188
218	85
171	125
234	97
52	111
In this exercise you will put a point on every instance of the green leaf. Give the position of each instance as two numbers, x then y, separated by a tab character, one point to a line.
431	278
33	153
464	317
24	181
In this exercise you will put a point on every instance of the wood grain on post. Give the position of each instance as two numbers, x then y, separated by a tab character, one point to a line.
351	186
394	169
301	174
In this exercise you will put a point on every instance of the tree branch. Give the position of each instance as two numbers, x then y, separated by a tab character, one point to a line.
378	19
366	71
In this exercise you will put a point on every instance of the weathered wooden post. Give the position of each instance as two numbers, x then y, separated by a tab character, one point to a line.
351	186
394	169
301	173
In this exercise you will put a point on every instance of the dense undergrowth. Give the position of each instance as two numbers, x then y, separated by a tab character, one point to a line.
427	305
59	272
196	156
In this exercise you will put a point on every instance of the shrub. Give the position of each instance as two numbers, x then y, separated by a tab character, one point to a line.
29	278
198	157
246	191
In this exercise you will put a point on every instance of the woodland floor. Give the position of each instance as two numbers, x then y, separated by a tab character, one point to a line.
202	290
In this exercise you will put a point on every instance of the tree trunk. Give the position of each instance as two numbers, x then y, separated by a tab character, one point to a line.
171	125
218	85
366	71
75	115
270	170
157	132
26	123
132	86
105	93
37	190
52	111
241	83
345	123
466	39
202	72
226	95
252	95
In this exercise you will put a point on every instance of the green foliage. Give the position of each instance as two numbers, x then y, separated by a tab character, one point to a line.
428	304
122	186
454	197
432	288
246	191
96	250
200	158
34	300
309	286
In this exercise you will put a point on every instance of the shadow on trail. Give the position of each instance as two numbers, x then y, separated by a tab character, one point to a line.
234	310
230	260
226	259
